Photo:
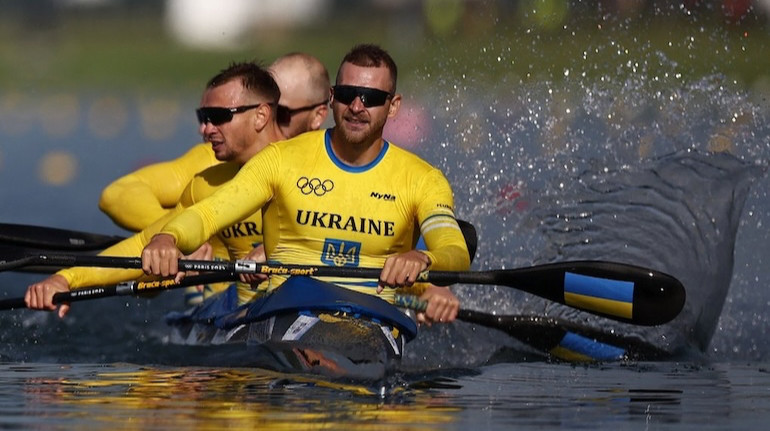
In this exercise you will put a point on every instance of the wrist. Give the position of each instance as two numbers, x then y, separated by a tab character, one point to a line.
164	237
425	258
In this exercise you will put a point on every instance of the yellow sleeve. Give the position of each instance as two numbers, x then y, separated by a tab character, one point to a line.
132	246
446	245
79	277
248	191
136	200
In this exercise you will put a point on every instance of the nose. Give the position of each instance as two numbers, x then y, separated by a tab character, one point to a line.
357	105
205	128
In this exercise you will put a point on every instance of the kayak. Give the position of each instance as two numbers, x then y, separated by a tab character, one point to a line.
306	326
310	327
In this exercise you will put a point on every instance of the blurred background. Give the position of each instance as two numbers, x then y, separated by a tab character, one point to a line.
514	100
92	89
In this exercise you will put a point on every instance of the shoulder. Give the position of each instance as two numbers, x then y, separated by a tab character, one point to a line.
204	183
201	148
213	177
408	160
201	151
196	159
414	171
300	146
315	137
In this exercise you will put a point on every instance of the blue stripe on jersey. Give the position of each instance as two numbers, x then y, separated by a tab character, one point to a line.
345	167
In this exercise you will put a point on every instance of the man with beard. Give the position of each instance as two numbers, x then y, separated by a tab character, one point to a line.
237	117
339	197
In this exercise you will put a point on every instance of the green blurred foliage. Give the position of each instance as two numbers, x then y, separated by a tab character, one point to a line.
126	47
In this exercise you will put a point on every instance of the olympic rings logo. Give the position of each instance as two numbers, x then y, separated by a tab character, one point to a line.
315	186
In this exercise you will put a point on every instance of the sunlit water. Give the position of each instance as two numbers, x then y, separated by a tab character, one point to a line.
638	396
637	165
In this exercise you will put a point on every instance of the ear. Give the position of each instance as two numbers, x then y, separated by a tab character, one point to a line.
318	116
395	104
262	115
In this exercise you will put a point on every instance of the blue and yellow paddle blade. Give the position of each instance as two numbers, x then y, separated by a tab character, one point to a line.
600	295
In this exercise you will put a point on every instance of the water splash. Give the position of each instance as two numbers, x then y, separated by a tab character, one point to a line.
641	163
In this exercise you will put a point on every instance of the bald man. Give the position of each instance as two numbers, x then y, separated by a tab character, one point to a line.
304	84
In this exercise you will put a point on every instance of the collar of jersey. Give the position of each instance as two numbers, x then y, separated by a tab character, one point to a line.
344	166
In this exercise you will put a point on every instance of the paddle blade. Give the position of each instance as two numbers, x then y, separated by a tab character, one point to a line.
15	253
622	292
558	338
566	340
618	291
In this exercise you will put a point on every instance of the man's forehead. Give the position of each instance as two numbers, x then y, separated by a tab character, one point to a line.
374	77
229	92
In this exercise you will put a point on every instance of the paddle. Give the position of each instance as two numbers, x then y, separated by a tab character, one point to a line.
50	238
27	240
18	240
618	291
123	289
15	252
53	238
562	339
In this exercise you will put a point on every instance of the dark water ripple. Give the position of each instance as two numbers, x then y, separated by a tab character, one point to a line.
679	214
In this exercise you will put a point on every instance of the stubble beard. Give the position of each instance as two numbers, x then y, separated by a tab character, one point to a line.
363	136
223	153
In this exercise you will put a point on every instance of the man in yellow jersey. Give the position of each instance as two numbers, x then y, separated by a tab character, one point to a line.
338	197
136	200
237	116
143	196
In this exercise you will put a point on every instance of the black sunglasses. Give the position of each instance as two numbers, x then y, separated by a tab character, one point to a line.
369	96
217	115
285	113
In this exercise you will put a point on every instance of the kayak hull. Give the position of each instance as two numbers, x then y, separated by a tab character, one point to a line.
331	336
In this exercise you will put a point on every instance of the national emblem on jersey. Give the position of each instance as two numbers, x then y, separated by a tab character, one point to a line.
341	253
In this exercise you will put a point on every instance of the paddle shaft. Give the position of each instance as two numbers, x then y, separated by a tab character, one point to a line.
618	291
54	238
50	238
124	289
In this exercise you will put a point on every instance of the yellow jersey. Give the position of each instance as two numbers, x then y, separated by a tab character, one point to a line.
319	211
136	200
231	243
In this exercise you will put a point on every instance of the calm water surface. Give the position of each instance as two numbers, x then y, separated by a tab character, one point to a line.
503	396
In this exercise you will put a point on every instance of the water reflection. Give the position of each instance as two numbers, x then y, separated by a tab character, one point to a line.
503	396
147	397
628	395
